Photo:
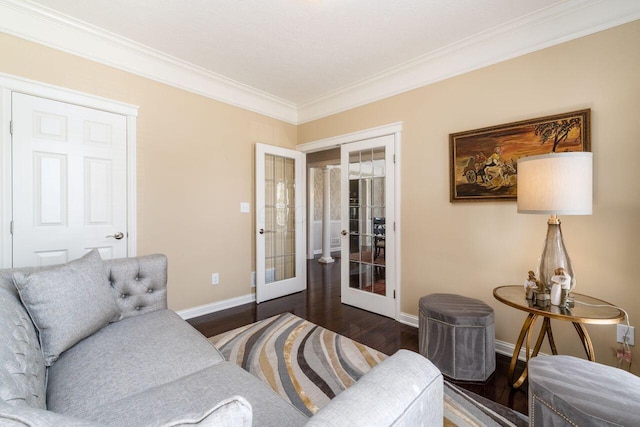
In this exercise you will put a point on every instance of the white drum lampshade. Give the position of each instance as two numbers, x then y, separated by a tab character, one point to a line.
556	184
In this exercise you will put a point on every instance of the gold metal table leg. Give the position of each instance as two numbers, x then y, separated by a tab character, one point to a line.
544	330
527	330
552	343
527	327
525	333
586	341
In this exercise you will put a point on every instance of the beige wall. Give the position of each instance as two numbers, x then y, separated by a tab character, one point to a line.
195	166
470	248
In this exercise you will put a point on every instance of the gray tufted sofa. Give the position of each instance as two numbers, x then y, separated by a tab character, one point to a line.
125	360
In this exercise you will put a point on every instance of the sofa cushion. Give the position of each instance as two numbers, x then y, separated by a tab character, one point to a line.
196	393
25	416
22	370
125	358
232	412
67	302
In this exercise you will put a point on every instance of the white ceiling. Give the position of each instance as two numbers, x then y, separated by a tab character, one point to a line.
310	53
297	50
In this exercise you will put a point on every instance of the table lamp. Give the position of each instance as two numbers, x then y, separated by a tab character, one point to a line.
555	184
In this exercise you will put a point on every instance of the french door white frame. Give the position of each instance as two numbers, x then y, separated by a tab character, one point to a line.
267	291
394	129
9	84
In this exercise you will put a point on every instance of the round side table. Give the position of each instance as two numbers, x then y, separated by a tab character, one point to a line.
585	310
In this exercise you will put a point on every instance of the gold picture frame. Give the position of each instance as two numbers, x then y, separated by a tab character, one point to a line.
483	162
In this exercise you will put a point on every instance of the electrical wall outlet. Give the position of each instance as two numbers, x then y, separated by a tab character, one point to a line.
622	330
215	278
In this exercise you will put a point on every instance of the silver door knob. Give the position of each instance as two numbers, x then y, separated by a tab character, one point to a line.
344	232
119	235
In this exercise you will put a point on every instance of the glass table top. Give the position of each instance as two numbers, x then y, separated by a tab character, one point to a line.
583	309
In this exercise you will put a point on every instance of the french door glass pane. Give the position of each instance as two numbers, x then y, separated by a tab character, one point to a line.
367	225
280	219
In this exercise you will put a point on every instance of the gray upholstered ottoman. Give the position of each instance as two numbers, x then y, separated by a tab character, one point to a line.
457	335
568	391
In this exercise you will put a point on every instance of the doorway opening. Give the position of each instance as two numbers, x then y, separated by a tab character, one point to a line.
361	173
323	169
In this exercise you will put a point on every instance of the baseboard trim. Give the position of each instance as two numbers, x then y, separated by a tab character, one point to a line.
408	319
332	250
502	347
201	310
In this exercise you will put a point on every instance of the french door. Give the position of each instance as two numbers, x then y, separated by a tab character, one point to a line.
69	181
280	222
368	218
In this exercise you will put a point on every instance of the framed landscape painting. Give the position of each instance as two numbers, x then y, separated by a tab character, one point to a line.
483	162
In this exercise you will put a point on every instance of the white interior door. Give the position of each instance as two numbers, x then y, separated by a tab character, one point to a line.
280	222
69	181
368	218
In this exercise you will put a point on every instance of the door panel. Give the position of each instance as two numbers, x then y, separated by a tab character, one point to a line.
280	239
69	181
368	244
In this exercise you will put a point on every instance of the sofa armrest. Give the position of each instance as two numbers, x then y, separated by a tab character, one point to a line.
404	390
139	283
21	416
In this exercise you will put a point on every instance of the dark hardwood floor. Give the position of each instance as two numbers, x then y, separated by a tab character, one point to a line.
320	304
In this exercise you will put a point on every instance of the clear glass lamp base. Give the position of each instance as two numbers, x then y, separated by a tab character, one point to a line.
554	257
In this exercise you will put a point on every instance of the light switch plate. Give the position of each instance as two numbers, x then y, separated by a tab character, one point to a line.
244	207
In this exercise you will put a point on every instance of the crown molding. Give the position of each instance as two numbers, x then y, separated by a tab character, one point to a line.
39	24
553	25
548	27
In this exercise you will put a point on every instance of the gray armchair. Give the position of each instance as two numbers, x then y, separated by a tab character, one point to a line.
568	391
